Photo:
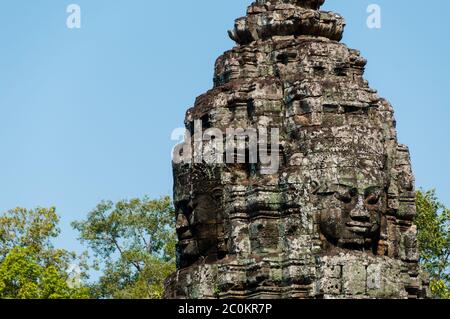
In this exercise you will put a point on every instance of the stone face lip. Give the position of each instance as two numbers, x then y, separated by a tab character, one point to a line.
266	19
335	220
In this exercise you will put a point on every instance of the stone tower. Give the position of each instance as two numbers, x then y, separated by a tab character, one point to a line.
333	217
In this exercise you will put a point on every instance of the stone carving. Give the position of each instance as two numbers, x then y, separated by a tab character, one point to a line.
335	219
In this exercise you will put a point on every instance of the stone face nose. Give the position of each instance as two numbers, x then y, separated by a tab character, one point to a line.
359	213
182	222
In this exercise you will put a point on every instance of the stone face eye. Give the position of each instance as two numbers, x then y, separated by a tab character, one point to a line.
346	197
372	196
217	194
372	199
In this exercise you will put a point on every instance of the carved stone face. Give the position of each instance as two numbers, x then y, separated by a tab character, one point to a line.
199	227
351	216
187	246
350	170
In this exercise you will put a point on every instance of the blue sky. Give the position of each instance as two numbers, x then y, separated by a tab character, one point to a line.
86	115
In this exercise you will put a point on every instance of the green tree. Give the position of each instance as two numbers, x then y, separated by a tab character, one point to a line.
30	267
433	222
134	246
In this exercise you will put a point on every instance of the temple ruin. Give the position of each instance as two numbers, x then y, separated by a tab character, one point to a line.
335	218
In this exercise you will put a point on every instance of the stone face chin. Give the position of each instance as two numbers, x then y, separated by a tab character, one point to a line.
335	219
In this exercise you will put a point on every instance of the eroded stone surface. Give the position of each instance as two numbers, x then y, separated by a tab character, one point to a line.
335	220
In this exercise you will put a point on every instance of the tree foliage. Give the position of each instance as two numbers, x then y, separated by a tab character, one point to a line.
134	244
30	267
433	222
